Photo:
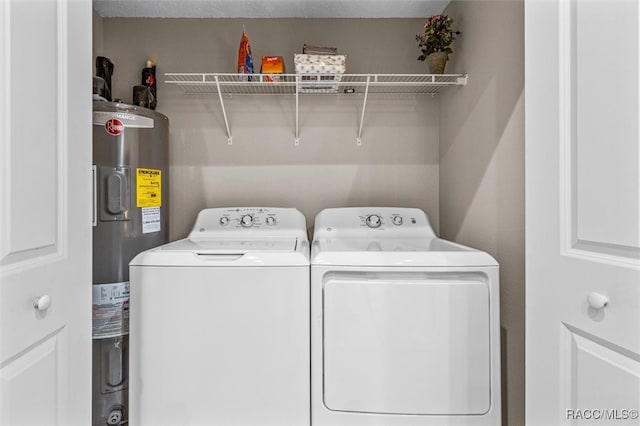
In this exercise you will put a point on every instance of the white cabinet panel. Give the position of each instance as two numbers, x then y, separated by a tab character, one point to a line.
29	386
594	365
583	217
605	149
33	83
45	212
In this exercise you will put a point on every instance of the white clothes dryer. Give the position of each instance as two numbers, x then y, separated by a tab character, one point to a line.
219	330
405	326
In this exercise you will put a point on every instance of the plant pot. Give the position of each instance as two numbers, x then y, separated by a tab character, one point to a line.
437	61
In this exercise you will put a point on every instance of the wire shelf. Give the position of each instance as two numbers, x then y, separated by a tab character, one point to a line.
299	84
282	84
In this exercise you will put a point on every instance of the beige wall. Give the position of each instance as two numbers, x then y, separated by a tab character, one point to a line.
98	37
397	164
459	157
482	164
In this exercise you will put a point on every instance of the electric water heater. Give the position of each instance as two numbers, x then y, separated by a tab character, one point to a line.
130	215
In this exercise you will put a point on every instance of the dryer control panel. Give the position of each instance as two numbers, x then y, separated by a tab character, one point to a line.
377	220
388	222
232	222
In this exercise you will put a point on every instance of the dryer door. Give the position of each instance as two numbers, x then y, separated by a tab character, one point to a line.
407	343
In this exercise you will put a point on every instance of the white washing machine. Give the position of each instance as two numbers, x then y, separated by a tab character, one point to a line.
219	331
405	326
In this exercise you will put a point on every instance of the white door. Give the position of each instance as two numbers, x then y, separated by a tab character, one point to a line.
45	212
583	212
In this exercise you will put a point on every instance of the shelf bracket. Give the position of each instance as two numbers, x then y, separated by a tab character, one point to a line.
224	112
296	141
364	107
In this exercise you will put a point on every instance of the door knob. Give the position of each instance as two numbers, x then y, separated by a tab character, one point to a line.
42	303
597	300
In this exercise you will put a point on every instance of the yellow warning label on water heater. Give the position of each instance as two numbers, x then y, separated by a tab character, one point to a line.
148	188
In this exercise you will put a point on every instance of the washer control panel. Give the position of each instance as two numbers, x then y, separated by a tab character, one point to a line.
249	222
247	217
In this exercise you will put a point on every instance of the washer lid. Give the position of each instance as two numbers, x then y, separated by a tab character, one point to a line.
222	246
237	236
227	252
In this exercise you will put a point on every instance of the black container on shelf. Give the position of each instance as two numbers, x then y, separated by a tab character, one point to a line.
104	69
143	97
149	80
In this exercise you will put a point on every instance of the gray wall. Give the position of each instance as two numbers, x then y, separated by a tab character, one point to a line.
397	164
482	164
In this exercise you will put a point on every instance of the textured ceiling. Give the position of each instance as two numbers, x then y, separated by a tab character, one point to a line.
269	8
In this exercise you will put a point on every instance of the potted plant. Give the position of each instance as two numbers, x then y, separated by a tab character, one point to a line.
435	42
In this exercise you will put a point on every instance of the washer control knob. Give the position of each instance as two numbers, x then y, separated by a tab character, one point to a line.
397	220
271	220
224	220
373	221
246	221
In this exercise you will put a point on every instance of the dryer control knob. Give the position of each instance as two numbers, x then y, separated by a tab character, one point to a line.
271	220
373	221
246	221
224	220
397	220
